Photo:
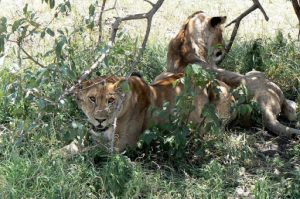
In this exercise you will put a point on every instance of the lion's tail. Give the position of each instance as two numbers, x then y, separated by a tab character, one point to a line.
276	127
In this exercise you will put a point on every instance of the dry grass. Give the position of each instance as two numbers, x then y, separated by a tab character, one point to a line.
173	13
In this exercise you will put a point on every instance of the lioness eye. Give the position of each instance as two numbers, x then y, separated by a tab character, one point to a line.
110	100
93	99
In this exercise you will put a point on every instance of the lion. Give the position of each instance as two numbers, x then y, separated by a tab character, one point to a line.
199	39
99	100
272	103
191	46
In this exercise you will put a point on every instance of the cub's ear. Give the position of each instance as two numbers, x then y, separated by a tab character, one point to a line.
214	21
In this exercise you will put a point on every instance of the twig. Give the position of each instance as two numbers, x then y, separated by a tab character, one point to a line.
114	7
100	21
27	54
31	58
87	72
152	4
237	21
148	16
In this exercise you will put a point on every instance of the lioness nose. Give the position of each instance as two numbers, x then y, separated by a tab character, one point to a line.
100	120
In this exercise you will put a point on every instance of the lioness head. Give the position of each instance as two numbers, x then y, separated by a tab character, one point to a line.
118	102
200	38
98	100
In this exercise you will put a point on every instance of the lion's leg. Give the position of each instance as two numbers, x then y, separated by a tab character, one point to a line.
271	123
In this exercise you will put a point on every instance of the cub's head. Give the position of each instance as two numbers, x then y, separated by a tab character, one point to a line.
98	99
200	38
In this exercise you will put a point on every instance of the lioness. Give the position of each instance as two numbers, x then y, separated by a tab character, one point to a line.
99	100
191	46
272	102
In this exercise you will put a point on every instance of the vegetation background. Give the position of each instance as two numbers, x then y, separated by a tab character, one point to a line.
234	163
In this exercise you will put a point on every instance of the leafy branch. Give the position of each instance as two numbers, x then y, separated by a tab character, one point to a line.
115	27
237	21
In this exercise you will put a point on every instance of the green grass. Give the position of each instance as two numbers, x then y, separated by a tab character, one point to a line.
235	163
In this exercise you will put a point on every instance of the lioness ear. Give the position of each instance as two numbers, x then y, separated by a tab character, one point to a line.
86	84
118	84
214	21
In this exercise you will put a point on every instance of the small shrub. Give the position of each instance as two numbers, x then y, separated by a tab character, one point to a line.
179	139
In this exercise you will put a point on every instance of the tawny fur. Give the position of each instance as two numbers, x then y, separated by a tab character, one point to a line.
183	51
272	102
134	117
199	39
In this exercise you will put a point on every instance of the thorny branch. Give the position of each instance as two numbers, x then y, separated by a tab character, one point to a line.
114	6
237	21
27	54
31	58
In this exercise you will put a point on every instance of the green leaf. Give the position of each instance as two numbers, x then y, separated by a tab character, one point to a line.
60	31
169	139
175	83
25	9
91	10
43	34
59	46
148	137
62	8
33	23
68	4
3	25
17	24
50	32
20	125
52	3
245	109
2	42
91	25
196	68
